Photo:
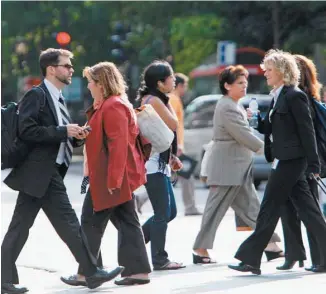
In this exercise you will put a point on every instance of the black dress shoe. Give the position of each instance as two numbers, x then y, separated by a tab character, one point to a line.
73	281
131	281
288	264
242	267
319	269
102	276
9	288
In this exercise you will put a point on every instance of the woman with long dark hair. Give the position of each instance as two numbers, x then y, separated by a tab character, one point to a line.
158	80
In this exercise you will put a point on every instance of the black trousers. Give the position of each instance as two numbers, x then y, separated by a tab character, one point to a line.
287	180
57	207
293	243
131	245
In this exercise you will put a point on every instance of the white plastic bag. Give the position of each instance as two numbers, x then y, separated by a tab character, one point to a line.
154	129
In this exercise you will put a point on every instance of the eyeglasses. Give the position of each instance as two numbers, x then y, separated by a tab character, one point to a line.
67	66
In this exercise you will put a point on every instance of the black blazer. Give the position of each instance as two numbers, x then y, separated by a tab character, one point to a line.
266	129
39	128
291	126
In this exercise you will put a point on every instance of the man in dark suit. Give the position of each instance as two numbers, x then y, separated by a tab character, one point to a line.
45	125
294	148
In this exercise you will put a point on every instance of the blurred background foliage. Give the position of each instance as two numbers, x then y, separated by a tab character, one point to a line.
185	32
193	38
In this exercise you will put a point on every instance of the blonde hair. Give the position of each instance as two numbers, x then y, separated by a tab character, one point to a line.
285	63
108	75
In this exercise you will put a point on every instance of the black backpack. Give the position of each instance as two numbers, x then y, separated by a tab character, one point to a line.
13	150
320	129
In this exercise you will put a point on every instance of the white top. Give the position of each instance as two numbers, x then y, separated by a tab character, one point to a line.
152	165
274	93
55	94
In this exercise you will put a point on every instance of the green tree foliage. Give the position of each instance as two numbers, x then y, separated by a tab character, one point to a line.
301	23
189	30
39	25
90	24
193	38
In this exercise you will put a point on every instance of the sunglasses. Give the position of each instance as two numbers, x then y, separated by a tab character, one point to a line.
67	66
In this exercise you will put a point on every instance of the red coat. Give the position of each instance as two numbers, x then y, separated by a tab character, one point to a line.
123	168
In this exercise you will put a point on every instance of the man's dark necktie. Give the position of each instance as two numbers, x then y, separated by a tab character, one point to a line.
84	184
66	120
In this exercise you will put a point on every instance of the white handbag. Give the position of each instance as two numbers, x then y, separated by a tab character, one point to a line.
154	129
206	159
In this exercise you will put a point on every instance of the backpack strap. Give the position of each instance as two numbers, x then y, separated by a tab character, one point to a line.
44	98
148	98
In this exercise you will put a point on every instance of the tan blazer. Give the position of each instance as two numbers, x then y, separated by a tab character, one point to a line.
234	143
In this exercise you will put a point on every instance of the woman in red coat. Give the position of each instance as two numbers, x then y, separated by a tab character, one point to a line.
116	168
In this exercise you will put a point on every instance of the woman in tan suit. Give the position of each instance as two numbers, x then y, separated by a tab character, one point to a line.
229	167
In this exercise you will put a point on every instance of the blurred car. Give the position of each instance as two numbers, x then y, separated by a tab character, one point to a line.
198	124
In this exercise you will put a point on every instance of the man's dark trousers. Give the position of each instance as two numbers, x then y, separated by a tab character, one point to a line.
288	179
57	208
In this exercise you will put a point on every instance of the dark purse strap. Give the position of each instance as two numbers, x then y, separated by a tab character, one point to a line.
105	139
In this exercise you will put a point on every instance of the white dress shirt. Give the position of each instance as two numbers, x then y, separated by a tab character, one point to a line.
56	94
275	93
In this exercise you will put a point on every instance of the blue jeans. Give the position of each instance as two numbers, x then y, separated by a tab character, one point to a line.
160	193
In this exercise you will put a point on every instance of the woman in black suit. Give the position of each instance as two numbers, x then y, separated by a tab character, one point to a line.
294	248
294	148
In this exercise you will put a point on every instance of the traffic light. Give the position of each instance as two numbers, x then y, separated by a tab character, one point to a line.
62	38
119	42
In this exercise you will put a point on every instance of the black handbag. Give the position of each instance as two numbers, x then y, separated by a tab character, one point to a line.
320	129
188	166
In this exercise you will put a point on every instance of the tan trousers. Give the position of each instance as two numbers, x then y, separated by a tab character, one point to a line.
244	201
188	194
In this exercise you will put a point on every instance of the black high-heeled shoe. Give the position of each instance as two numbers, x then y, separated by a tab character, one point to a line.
202	259
309	269
270	255
288	264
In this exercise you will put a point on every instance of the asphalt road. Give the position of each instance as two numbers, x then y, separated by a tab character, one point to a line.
45	257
